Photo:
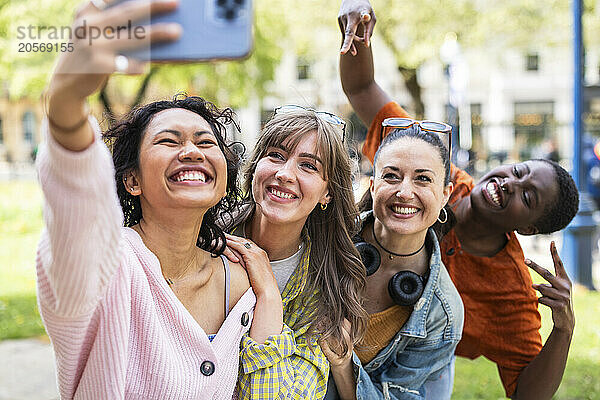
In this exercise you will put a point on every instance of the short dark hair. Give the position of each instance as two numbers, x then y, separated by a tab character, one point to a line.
124	139
563	209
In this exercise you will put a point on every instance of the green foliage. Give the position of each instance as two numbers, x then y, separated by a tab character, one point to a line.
414	31
26	74
19	317
20	226
228	83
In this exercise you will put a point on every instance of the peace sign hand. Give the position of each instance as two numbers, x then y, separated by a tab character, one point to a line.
556	294
354	14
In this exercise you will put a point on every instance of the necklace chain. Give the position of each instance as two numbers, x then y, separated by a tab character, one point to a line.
391	253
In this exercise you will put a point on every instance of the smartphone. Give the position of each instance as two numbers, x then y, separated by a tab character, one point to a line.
212	30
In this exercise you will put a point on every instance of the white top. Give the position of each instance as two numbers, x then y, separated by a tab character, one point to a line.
283	269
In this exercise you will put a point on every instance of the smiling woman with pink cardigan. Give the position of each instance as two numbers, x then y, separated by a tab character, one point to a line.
149	310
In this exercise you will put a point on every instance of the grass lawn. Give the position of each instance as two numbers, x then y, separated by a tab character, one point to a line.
479	379
20	226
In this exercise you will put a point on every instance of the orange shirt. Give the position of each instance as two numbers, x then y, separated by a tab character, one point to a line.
502	321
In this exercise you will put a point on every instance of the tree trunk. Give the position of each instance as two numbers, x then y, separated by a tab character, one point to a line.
414	89
106	104
139	96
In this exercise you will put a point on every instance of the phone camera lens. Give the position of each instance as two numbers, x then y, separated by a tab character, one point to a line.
230	14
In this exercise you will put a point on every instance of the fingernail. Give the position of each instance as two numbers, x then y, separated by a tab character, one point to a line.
527	261
174	29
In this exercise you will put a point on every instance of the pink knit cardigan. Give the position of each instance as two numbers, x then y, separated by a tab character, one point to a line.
117	329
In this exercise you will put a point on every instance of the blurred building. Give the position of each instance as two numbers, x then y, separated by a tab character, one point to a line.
519	104
19	129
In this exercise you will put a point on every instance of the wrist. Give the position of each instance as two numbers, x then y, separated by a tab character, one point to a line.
342	364
64	112
268	294
565	331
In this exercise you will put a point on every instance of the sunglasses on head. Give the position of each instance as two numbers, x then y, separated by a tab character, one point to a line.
443	130
326	116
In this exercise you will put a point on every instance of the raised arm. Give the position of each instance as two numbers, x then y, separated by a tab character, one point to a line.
542	377
78	251
357	20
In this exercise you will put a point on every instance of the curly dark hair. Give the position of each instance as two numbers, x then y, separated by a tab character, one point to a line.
124	139
562	210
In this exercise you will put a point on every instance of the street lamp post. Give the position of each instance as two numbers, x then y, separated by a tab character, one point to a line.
457	109
577	246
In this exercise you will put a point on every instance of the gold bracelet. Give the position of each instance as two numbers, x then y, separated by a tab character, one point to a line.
70	129
54	125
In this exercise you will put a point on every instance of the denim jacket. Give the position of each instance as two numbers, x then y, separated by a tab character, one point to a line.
424	345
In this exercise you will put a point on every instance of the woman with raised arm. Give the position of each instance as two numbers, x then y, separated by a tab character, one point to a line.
502	322
151	310
299	222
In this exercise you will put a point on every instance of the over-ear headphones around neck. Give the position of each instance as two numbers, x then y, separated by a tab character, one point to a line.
405	287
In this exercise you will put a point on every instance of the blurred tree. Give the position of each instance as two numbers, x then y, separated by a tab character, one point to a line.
415	31
25	74
227	83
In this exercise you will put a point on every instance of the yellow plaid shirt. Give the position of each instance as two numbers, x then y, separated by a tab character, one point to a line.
285	366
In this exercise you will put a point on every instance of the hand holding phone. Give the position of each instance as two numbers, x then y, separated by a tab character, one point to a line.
212	29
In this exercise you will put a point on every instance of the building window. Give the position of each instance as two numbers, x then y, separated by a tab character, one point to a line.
28	126
533	62
265	115
534	124
476	118
591	115
303	69
476	124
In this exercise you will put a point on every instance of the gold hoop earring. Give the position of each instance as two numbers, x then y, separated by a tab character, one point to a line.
445	216
323	206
